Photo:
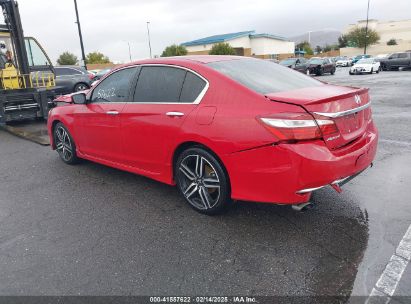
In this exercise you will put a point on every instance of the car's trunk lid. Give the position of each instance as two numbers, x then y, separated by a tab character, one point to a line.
348	107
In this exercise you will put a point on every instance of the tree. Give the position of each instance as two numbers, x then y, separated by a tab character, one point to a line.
174	50
356	37
318	49
343	41
392	41
222	49
306	47
67	58
96	57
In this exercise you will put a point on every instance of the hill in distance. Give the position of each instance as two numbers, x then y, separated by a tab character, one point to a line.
320	38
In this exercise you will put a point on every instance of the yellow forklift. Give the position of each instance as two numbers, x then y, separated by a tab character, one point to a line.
26	72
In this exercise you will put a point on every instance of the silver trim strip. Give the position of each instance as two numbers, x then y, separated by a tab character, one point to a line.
196	101
336	182
344	113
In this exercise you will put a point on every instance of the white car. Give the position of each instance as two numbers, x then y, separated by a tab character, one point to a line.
365	65
343	62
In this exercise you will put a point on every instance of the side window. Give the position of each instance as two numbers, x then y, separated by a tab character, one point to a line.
393	56
159	84
402	55
73	72
193	86
115	88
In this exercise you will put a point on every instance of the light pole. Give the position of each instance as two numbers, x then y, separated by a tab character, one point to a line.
148	33
309	37
83	56
366	29
129	50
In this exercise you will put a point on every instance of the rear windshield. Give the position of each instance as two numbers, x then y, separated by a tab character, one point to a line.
262	76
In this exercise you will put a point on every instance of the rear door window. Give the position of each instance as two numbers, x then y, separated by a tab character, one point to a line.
402	55
159	84
116	87
192	88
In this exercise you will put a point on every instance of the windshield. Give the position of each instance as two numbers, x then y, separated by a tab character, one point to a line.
288	61
316	61
262	76
365	61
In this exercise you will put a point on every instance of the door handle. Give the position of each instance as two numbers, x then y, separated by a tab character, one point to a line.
174	114
112	112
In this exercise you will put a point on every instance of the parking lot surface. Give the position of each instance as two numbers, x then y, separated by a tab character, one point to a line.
92	230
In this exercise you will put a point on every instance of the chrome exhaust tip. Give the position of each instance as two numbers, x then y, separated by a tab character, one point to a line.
302	207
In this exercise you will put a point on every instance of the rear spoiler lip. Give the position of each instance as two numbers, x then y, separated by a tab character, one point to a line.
344	113
290	100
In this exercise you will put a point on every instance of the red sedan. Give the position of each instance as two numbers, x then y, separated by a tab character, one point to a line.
220	128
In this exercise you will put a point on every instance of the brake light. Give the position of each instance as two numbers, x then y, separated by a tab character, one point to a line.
91	76
298	126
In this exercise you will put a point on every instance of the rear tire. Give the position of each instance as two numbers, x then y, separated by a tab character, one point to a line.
65	146
202	181
80	87
332	72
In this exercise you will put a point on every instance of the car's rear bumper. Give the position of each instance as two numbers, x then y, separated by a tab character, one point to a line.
283	173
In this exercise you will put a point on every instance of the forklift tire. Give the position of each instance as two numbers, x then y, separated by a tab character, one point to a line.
65	146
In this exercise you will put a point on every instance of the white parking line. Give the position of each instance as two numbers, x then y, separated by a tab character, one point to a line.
391	276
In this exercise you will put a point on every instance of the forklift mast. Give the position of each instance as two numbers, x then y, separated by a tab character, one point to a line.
13	22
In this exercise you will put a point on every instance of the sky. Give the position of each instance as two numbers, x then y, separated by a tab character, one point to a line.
109	25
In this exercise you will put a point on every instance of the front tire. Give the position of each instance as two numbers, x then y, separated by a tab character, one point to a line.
202	181
372	71
65	146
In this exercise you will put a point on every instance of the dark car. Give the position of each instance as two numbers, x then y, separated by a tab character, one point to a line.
298	64
71	79
396	61
319	66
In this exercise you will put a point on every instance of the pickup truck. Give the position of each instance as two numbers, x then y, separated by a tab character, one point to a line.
396	61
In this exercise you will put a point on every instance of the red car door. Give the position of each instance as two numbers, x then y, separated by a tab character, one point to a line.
164	96
97	123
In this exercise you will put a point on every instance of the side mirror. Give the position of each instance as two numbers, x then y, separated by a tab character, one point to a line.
79	98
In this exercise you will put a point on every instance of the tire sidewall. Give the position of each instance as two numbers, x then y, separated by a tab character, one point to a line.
225	190
73	159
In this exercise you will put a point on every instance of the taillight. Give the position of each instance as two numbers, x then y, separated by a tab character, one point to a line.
91	76
298	126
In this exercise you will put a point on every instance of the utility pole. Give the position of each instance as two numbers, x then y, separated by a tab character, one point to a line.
148	33
366	29
83	56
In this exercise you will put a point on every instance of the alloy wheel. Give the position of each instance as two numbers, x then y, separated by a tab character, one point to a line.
63	144
199	180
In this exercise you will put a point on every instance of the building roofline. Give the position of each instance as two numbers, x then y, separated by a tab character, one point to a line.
268	36
217	38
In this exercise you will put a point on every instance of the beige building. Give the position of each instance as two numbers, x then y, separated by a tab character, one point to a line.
245	44
398	30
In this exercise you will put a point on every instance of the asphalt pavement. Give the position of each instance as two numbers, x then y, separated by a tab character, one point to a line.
93	230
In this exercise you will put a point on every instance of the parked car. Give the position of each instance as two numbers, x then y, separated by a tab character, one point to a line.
100	74
358	57
298	64
343	62
220	128
366	65
319	66
72	79
396	61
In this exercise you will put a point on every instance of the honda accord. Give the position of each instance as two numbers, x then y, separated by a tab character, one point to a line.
220	128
